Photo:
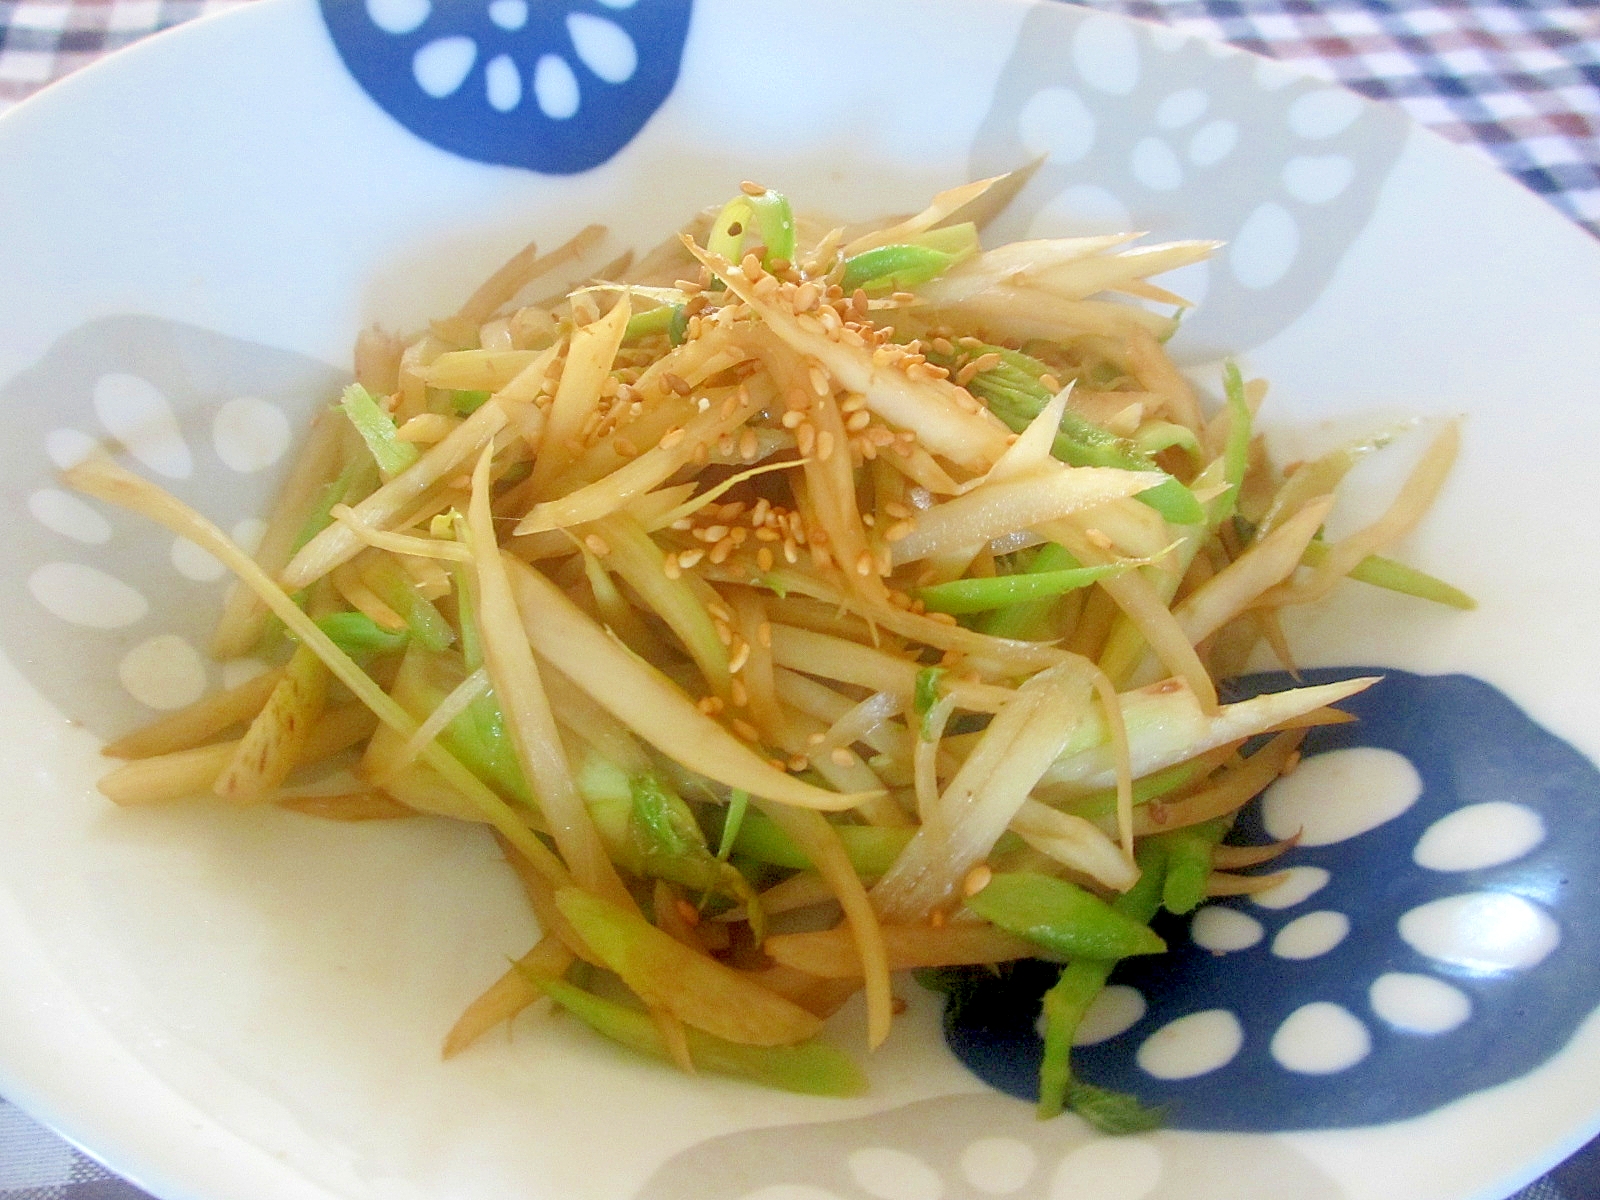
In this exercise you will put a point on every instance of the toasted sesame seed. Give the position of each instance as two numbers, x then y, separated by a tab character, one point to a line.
690	558
899	531
675	383
719	611
864	563
1050	382
724	632
820	384
767	534
745	730
798	762
737	692
841	757
721	551
736	661
597	544
764	287
749	445
750	266
976	880
859	303
624	447
824	446
942	345
764	634
709	705
942	618
758	514
671	437
857	421
752	189
791	552
670	568
764	558
1099	538
806	296
805	436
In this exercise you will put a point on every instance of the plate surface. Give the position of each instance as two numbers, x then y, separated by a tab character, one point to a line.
245	1006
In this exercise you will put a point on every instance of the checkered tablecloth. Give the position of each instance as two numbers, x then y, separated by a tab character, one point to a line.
1517	80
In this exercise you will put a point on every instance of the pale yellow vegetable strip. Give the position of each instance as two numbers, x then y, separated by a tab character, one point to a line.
1113	272
194	724
820	843
934	408
759	672
1137	597
851	662
1156	371
400	543
1232	858
1222	883
1017	312
501	288
365	805
339	543
633	554
847	773
508	995
185	774
529	723
994	509
590	352
1234	788
979	803
1122	756
478	370
244	616
1267	562
648	702
651	469
803	889
812	696
940	209
1416	496
353	590
275	740
578	712
425	429
1074	843
830	953
107	481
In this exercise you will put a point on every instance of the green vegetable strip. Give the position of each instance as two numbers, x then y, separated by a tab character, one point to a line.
732	822
465	402
872	849
978	595
899	267
1396	577
1236	452
813	1068
1103	804
1065	1003
377	430
354	482
1030	619
772	217
925	694
669	319
1189	863
1013	393
1062	917
393	586
356	634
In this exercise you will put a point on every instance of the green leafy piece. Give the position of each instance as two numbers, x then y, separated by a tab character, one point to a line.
354	483
377	430
1112	1112
772	217
924	695
670	319
1393	576
1062	917
477	737
669	844
358	634
1103	803
466	401
872	849
812	1068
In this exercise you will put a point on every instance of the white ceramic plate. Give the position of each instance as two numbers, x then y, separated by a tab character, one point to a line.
244	1006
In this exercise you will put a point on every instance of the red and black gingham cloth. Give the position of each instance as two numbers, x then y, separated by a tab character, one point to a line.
1518	80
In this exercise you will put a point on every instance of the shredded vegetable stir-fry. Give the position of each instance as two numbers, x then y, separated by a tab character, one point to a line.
799	606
